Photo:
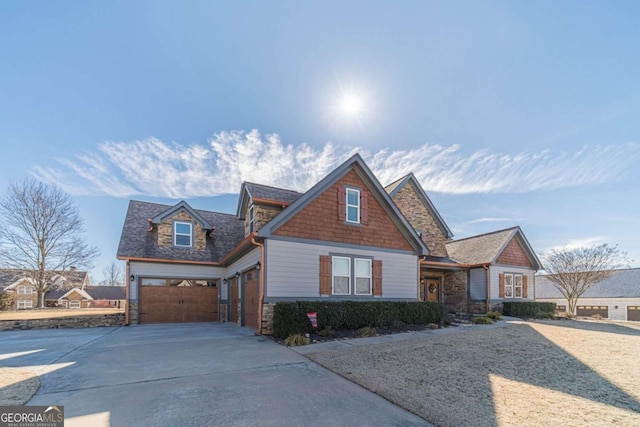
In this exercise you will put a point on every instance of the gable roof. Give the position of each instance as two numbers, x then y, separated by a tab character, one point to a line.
398	185
486	248
137	241
622	284
253	191
356	163
82	292
159	218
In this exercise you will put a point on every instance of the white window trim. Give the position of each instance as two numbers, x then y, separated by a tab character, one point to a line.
25	290
23	304
176	234
347	205
73	303
333	276
513	285
251	219
356	277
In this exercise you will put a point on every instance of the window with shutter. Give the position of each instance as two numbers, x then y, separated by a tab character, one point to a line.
501	285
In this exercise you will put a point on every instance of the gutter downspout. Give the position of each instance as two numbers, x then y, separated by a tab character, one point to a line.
126	298
488	286
261	296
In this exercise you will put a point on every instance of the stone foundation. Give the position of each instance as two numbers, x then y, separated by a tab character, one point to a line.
223	311
133	312
89	321
267	319
480	307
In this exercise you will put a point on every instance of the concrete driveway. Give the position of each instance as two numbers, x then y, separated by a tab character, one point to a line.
188	375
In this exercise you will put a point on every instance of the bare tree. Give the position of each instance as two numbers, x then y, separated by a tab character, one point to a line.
113	275
40	233
573	271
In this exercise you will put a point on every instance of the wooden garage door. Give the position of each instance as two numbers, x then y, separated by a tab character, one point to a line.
251	292
172	304
633	313
592	310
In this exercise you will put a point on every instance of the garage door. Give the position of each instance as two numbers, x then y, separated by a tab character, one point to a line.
177	300
633	313
592	310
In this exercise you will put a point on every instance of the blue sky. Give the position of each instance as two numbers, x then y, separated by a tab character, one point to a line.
508	112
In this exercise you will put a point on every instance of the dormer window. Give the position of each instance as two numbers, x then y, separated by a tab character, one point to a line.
353	205
183	234
251	220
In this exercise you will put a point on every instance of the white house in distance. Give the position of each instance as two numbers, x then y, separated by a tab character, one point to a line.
615	298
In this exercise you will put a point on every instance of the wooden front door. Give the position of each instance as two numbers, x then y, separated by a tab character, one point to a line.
174	304
433	290
250	299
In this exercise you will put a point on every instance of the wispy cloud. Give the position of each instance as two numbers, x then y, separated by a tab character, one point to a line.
490	219
155	168
581	243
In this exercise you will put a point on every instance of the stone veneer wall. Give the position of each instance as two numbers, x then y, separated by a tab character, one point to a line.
262	214
454	291
420	218
267	318
165	231
133	312
480	307
89	321
223	311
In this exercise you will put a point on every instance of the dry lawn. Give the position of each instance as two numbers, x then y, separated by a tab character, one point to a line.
17	386
49	314
567	373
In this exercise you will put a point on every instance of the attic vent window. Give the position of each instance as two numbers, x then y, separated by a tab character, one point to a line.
183	234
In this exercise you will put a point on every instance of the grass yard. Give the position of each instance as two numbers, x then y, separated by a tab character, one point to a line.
569	373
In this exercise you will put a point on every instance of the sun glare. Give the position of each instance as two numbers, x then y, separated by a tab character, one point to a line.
351	104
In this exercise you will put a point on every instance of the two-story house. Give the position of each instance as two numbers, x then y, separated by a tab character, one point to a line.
346	238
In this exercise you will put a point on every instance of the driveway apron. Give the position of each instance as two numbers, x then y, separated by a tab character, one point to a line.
205	374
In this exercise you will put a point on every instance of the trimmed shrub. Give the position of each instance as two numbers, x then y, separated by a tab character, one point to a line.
482	320
494	315
367	331
527	308
290	317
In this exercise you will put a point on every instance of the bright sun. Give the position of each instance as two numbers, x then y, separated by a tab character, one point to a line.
351	104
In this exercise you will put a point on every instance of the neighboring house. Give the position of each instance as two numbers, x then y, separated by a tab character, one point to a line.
615	298
346	238
87	297
25	296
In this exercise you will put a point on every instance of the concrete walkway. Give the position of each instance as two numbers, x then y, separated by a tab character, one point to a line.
188	375
383	339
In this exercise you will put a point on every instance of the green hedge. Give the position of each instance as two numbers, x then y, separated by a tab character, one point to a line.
290	317
527	308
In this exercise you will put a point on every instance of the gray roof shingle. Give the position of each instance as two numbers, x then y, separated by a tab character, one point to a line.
623	284
260	191
137	241
479	249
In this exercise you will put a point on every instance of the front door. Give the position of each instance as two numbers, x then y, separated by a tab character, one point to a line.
433	289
